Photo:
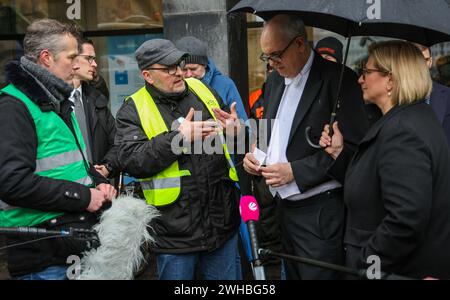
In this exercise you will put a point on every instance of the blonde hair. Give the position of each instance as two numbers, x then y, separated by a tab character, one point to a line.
405	63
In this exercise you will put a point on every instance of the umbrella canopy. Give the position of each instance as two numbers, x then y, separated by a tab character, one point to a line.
424	22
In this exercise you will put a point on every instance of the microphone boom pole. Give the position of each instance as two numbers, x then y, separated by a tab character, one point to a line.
258	268
87	235
250	215
30	231
349	271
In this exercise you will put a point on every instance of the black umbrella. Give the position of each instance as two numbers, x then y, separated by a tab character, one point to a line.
420	21
424	22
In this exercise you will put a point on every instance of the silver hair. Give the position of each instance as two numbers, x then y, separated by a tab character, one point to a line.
45	34
292	26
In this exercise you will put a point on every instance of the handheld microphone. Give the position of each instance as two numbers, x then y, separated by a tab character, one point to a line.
250	215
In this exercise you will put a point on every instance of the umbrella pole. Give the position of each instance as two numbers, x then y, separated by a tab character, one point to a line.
337	102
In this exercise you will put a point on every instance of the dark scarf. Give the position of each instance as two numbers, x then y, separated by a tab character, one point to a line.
55	88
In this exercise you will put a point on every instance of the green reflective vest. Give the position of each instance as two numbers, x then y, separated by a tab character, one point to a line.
58	157
165	187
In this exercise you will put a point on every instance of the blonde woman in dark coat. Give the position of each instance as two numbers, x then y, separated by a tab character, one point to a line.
397	184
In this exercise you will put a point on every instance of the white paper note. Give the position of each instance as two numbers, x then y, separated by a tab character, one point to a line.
260	156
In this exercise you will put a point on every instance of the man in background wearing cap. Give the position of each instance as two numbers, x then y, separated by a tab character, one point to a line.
195	194
330	48
199	66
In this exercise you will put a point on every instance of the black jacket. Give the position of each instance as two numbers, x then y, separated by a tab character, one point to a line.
440	102
100	85
20	187
308	164
397	191
102	126
206	214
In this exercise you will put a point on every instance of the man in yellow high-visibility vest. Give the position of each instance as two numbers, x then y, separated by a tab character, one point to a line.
195	192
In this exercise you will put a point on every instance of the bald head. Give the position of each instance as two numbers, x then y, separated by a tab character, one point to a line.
284	40
285	26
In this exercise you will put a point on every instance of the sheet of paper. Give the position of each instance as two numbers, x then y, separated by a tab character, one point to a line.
260	156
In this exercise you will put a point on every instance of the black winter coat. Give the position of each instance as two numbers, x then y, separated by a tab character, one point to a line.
102	126
20	187
397	190
206	214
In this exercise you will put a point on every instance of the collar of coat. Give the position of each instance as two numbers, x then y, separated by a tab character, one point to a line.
376	128
28	84
94	96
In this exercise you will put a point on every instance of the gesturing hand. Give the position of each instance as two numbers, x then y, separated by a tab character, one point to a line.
229	121
194	131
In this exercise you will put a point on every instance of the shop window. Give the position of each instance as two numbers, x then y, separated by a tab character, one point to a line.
118	66
119	14
16	15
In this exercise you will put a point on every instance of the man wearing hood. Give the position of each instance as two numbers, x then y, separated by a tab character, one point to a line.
199	66
45	179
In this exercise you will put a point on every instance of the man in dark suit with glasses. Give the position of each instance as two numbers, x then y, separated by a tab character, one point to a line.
300	93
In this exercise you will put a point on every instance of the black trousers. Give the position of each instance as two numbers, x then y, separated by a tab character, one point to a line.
313	228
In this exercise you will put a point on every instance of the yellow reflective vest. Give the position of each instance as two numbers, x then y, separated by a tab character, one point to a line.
165	187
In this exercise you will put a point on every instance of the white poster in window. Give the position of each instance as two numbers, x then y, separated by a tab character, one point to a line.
124	75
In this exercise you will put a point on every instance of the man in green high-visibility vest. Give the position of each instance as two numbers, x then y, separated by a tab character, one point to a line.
195	193
45	178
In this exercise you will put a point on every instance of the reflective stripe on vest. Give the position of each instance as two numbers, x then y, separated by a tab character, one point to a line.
57	156
164	183
58	161
161	183
165	187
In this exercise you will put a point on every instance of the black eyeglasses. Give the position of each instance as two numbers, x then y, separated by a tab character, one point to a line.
171	70
367	71
89	58
276	57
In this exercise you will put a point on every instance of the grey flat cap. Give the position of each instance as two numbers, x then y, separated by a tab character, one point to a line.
158	51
